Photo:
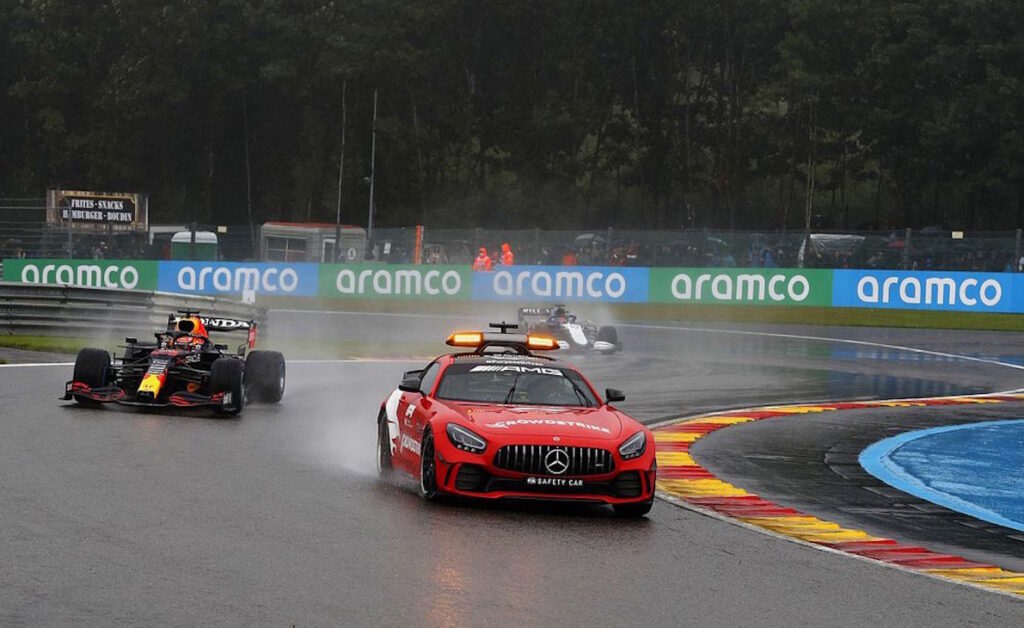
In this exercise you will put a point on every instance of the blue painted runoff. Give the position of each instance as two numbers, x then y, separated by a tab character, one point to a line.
976	468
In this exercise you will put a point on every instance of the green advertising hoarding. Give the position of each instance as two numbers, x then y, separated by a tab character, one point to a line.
389	281
84	273
753	286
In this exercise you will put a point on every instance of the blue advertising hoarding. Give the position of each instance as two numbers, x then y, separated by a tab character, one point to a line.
279	279
562	283
928	290
951	291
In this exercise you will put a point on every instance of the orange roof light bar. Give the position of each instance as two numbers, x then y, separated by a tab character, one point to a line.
466	339
541	343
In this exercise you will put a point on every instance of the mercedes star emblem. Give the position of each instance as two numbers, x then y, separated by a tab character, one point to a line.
557	461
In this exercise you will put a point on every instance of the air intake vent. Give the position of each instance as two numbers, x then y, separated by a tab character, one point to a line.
470	478
629	485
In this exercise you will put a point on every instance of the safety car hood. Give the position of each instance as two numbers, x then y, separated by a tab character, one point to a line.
599	423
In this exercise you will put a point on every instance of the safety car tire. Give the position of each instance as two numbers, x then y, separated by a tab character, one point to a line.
385	464
227	375
428	468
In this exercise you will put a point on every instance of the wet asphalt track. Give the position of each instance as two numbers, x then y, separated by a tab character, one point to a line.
116	517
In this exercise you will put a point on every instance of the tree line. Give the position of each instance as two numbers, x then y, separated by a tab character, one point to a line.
745	114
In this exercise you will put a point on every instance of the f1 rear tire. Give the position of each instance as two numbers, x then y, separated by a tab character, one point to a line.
609	334
633	511
227	375
264	376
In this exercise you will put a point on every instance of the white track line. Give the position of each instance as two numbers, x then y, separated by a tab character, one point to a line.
865	343
388	314
707	330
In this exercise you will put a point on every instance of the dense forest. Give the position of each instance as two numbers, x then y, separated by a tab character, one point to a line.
522	113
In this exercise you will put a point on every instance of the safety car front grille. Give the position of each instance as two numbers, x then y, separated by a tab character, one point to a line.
534	459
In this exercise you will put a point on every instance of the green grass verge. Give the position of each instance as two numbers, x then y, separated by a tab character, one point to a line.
672	312
50	344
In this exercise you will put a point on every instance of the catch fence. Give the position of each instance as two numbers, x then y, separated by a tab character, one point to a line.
24	233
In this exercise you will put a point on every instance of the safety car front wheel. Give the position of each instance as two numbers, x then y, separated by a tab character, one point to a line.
385	465
428	468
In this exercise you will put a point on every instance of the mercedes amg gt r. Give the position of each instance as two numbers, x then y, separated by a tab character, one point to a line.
500	421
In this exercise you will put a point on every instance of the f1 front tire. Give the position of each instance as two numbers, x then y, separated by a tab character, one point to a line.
92	367
227	376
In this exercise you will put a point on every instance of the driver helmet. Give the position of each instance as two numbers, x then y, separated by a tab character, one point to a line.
193	326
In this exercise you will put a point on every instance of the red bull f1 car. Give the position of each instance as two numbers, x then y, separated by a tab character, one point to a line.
571	333
181	368
501	421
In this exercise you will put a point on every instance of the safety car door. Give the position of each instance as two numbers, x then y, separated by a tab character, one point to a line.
414	410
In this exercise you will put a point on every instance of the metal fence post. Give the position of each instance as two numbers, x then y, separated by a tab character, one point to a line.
71	243
1016	254
905	263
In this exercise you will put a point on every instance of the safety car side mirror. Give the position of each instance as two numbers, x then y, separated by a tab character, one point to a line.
611	395
410	383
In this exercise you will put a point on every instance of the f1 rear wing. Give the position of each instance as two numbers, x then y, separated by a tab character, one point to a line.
535	313
219	324
232	324
227	324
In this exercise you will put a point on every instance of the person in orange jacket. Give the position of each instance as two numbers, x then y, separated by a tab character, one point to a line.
507	258
482	261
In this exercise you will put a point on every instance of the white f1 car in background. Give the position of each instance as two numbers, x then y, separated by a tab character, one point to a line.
571	333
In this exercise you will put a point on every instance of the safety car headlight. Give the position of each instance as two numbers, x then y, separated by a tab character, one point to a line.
464	439
634	446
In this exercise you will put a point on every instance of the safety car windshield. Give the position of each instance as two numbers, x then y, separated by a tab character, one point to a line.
519	384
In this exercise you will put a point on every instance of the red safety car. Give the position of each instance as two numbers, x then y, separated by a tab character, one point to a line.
501	421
